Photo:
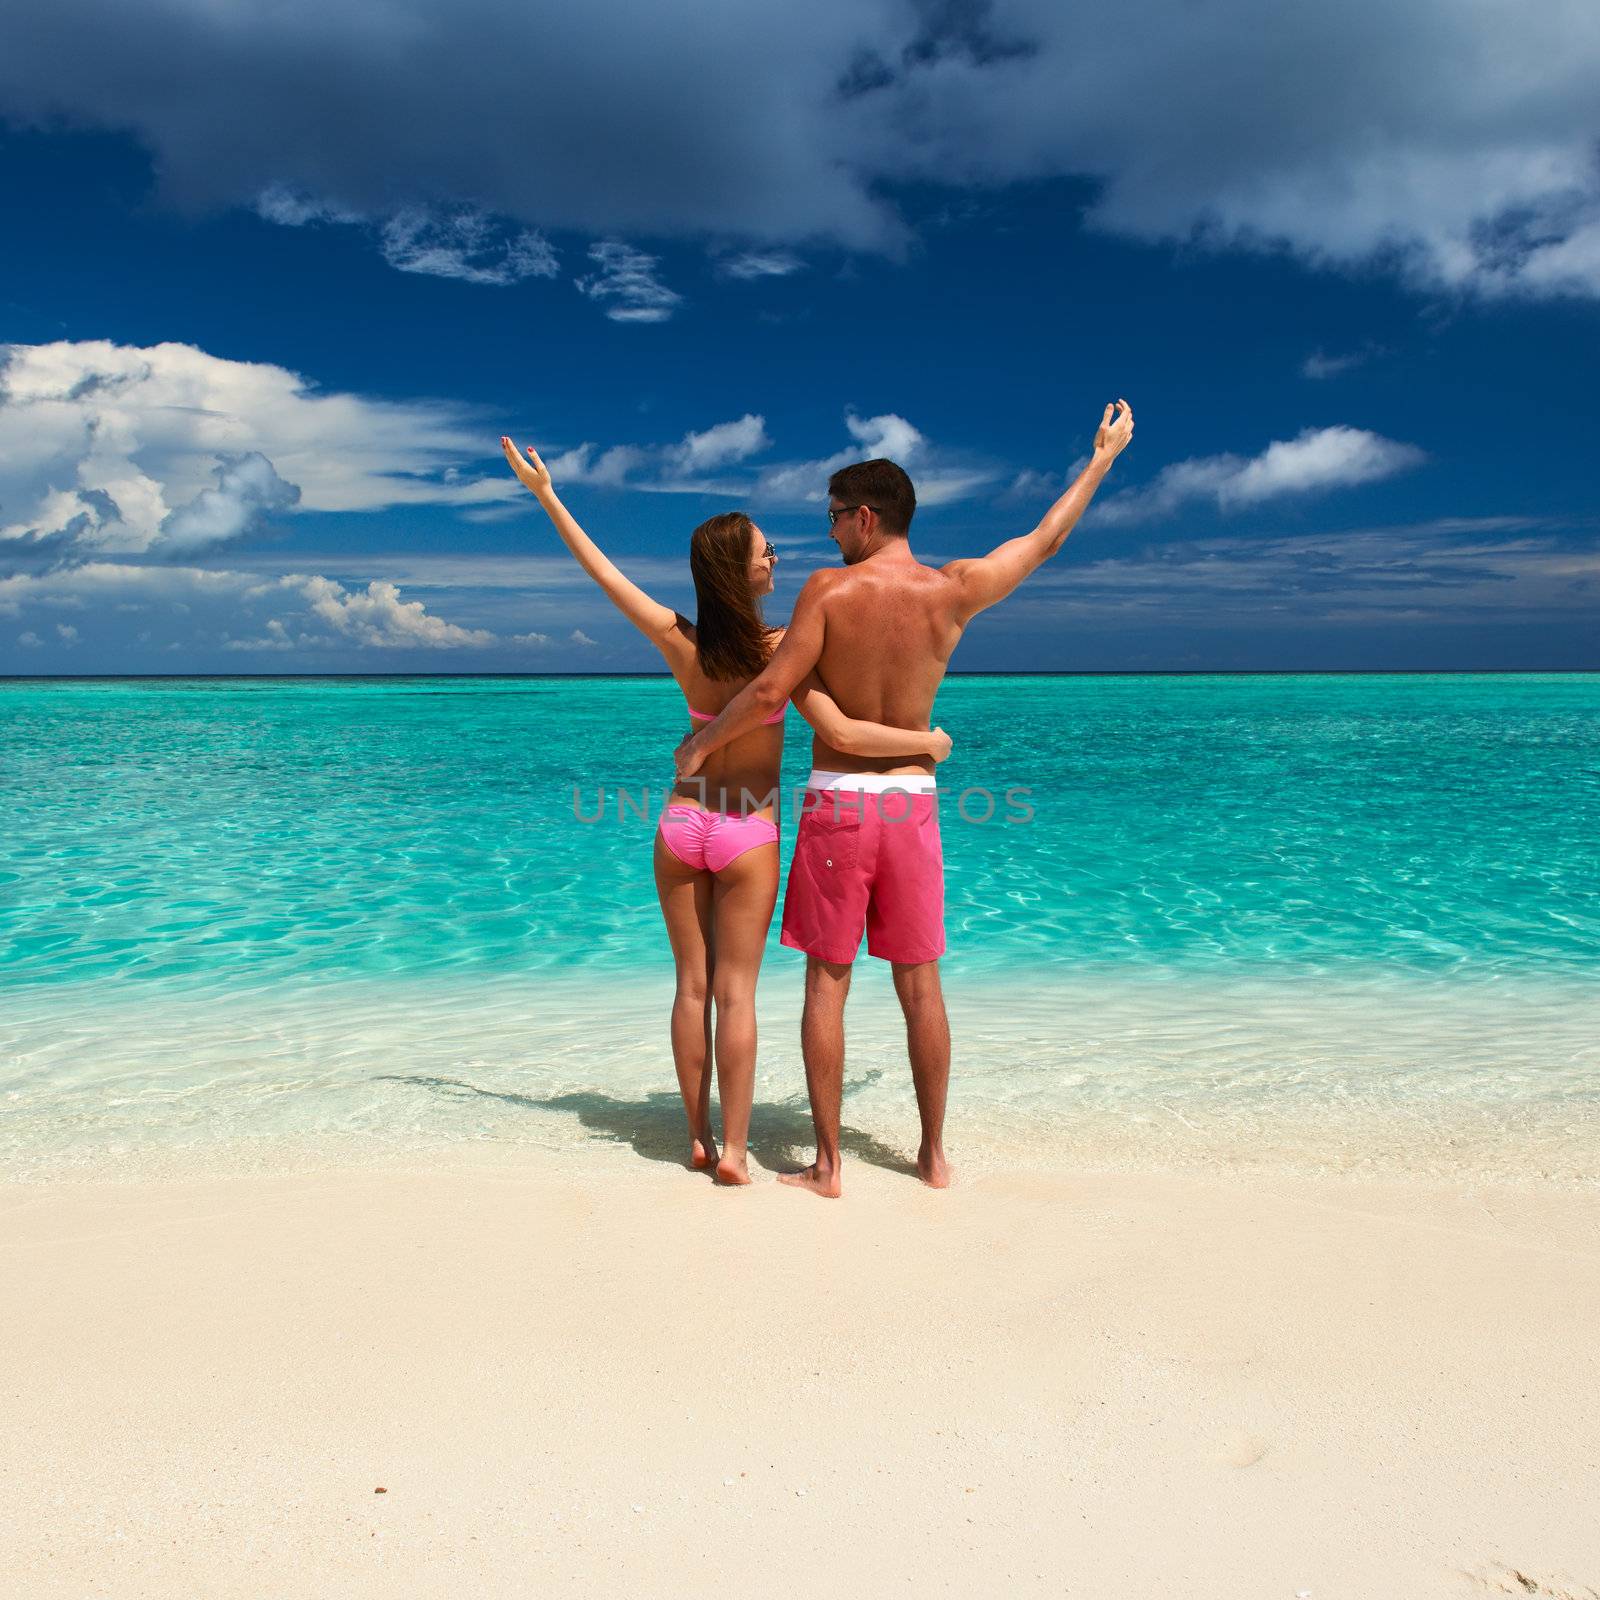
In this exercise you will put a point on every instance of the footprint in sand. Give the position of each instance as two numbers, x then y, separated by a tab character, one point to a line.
1497	1578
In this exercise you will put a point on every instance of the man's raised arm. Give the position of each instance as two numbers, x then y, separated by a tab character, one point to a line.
988	579
783	674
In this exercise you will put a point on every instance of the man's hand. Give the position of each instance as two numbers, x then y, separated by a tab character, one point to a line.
1113	436
990	578
939	745
534	473
689	757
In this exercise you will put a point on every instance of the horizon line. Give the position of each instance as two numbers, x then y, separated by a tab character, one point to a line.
999	672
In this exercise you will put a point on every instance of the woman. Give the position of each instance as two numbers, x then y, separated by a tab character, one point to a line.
716	849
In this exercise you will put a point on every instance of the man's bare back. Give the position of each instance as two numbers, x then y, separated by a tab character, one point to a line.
890	625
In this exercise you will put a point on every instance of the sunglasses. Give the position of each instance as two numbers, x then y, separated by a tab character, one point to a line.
835	512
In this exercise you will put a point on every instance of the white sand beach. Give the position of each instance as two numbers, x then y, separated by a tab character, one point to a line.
608	1374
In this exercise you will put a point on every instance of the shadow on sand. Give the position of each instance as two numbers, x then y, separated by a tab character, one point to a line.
781	1134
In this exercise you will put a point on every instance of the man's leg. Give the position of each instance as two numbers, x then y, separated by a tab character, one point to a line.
928	1040
822	1040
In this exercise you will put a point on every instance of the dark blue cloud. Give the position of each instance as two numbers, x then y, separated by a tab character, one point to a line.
1456	144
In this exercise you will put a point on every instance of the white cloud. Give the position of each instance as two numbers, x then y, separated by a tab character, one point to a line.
465	244
29	640
379	617
761	264
578	636
699	464
1552	266
723	444
247	490
291	208
886	435
219	599
536	572
459	241
937	482
627	281
610	468
1317	459
512	512
1319	365
99	583
276	637
1029	485
115	448
67	633
671	468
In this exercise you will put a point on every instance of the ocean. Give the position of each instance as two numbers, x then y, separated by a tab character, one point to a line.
1317	922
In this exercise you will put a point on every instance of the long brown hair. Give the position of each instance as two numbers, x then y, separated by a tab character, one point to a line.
731	640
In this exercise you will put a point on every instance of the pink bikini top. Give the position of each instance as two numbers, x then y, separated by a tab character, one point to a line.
766	722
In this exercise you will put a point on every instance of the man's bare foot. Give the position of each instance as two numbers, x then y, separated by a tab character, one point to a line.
933	1169
702	1153
819	1180
732	1170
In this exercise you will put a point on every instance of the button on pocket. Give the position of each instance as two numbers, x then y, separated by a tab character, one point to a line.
831	839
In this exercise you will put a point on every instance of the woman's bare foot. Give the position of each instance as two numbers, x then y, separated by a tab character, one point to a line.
702	1153
732	1169
933	1169
817	1178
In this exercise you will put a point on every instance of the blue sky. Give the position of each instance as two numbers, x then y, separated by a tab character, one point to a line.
276	280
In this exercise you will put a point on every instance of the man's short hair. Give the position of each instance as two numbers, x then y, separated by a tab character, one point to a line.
879	484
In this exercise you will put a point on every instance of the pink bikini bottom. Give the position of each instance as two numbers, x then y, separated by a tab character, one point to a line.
709	840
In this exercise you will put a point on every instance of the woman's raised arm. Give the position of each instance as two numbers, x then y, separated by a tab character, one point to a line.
856	738
652	618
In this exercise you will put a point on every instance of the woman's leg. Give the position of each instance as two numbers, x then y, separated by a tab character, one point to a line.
686	906
743	897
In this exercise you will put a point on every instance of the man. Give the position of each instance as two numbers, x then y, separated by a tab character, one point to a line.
880	631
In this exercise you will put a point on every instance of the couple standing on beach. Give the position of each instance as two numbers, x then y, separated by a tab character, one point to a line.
862	659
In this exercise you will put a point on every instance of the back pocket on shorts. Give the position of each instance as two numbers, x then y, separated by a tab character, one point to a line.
831	839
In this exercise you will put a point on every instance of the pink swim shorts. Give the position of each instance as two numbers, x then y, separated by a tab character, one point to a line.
709	840
871	859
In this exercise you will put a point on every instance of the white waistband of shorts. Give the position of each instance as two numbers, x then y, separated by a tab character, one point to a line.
872	782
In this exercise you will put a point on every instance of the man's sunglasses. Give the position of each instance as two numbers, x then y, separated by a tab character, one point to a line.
835	512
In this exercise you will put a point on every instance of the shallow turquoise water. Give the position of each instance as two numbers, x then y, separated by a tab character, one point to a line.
274	828
351	871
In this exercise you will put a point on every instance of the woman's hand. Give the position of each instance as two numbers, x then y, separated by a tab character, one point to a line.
530	469
1113	436
653	620
938	745
688	758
